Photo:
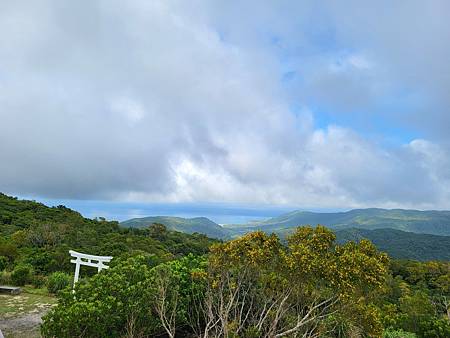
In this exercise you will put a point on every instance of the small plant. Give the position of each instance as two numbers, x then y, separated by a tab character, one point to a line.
22	274
38	281
398	334
58	281
3	263
5	278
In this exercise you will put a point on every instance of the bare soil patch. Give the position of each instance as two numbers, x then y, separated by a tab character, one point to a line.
20	315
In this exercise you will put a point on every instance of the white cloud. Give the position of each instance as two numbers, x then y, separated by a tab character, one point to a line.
131	110
163	101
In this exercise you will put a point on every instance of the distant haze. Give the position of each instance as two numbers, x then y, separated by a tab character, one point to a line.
219	213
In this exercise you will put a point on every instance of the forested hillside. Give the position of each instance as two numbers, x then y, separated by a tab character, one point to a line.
201	225
397	243
401	244
32	233
428	222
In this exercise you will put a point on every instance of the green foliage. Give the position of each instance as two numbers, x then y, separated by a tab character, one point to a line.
201	225
387	229
431	222
41	236
398	334
154	266
38	281
3	263
5	278
123	298
158	231
105	303
143	295
401	244
417	298
8	249
58	281
311	275
22	274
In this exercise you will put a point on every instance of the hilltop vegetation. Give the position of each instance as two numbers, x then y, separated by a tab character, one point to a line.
249	287
254	286
166	283
38	236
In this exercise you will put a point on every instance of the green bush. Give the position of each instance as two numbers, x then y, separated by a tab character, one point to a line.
5	278
104	304
38	281
398	334
120	301
41	260
3	263
58	281
22	274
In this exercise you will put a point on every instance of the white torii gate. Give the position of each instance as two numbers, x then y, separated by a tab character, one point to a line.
85	259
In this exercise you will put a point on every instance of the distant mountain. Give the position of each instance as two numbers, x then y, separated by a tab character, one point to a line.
408	234
397	243
201	225
430	222
422	222
401	244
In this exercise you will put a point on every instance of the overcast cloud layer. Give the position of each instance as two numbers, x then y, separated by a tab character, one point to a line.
306	103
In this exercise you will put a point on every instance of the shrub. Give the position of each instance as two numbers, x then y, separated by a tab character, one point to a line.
58	281
5	278
3	263
40	260
38	281
104	304
22	274
122	301
398	334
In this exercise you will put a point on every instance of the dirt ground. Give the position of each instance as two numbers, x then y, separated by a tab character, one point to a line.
20	315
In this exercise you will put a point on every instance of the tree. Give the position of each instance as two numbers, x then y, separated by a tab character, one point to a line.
158	231
22	274
416	298
166	297
258	287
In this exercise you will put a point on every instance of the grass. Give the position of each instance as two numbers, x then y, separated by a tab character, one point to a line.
32	290
17	305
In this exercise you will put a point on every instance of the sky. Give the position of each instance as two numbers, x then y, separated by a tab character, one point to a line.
277	104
